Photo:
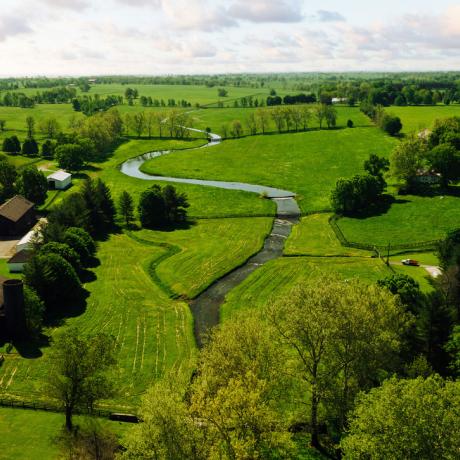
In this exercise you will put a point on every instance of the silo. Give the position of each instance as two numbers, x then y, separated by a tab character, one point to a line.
13	299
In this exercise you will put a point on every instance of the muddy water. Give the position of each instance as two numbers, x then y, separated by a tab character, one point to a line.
206	307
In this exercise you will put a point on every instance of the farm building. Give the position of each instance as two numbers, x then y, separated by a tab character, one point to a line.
17	216
17	262
26	242
60	180
428	177
12	314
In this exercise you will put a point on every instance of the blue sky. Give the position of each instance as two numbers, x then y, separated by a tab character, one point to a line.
82	37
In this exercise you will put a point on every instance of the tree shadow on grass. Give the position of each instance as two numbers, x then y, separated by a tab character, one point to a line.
380	208
32	349
71	308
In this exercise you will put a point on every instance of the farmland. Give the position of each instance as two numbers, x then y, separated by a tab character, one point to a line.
306	163
139	292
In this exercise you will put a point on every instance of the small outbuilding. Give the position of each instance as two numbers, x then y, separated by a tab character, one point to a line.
60	180
17	216
17	262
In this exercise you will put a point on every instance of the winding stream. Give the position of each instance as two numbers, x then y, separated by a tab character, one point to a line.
206	307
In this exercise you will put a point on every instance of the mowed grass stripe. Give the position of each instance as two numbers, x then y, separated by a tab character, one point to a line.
279	276
124	302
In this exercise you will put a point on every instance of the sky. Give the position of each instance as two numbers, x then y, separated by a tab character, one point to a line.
158	37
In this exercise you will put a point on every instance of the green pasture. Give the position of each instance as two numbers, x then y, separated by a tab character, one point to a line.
194	94
416	119
216	118
207	250
313	236
279	276
307	163
153	333
412	219
28	434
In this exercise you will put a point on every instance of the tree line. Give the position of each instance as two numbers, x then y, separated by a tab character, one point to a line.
283	118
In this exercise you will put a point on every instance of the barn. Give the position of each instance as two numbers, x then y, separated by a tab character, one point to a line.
17	216
60	180
17	262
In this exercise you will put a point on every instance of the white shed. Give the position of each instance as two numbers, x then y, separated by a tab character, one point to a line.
25	242
59	180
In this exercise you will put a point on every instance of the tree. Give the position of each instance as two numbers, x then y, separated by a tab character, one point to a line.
63	250
391	124
342	333
176	205
406	419
49	127
34	310
445	159
11	145
8	176
47	274
81	242
237	128
263	119
350	124
30	147
408	158
356	195
377	166
319	112
330	114
278	117
48	148
30	123
222	92
138	123
453	348
126	207
78	376
151	208
2	125
70	157
33	185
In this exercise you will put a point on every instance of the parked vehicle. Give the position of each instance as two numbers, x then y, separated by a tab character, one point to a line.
412	262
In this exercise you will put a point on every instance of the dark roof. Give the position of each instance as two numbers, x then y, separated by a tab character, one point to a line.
21	257
15	208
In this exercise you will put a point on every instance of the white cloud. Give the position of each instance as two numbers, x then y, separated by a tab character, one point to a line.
266	10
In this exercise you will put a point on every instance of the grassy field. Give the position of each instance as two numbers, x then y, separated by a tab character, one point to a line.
204	249
154	333
313	236
418	118
194	94
413	219
306	163
28	434
280	275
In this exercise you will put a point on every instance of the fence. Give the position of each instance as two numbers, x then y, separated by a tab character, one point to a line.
16	404
377	248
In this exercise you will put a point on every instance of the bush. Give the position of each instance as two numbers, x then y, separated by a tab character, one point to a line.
81	242
30	148
391	124
63	250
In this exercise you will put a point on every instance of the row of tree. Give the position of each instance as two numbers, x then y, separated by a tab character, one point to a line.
291	118
391	124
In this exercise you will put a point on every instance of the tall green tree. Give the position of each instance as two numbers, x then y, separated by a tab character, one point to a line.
30	123
79	375
8	177
126	207
410	419
33	185
343	334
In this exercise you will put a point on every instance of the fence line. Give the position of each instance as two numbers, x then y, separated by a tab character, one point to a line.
373	247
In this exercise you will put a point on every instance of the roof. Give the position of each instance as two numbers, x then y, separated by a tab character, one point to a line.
21	257
15	208
27	238
59	175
